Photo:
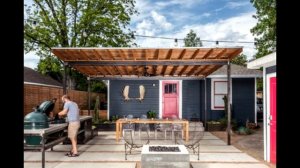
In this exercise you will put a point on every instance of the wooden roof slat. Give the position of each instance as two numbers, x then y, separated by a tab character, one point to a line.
195	54
185	61
221	53
193	70
169	54
182	54
156	54
207	53
183	70
110	54
98	54
174	70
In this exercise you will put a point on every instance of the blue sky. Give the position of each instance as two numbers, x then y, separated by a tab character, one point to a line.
210	19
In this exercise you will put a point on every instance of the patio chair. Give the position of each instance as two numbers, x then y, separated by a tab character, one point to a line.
176	127
129	125
164	128
133	142
196	134
143	125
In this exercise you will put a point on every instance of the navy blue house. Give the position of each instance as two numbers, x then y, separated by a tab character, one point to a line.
187	98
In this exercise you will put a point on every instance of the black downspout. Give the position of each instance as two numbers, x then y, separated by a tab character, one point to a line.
205	102
228	103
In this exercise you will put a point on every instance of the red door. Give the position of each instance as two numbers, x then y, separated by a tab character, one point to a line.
170	99
273	119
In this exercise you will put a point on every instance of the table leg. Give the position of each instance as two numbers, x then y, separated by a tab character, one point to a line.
187	131
43	152
117	131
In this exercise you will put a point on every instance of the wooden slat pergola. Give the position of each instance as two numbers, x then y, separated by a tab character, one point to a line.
150	63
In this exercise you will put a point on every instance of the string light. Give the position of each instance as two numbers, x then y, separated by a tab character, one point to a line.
176	39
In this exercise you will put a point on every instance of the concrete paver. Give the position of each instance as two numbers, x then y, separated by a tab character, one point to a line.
104	151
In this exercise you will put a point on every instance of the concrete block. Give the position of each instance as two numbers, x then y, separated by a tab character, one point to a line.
151	159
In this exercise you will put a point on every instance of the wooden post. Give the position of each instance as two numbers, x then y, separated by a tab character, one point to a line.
65	79
89	95
205	102
228	103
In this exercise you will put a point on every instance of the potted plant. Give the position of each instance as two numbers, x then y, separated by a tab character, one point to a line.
151	114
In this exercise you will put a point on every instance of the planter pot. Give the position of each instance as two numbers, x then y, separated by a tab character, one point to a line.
213	127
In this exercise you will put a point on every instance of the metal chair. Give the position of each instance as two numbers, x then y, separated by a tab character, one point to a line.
162	127
129	125
143	125
196	134
176	127
133	142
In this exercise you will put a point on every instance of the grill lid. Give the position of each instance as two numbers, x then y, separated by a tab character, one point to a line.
47	106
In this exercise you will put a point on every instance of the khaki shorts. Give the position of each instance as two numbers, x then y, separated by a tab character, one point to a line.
73	129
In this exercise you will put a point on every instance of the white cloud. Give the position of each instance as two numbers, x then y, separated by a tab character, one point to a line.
232	29
161	21
145	27
206	14
31	60
182	3
233	5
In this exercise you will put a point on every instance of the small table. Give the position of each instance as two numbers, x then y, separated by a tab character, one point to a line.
162	159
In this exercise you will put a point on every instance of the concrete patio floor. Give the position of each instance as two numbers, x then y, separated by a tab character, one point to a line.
104	152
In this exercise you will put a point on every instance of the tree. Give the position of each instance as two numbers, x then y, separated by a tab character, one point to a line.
191	40
240	60
265	29
75	23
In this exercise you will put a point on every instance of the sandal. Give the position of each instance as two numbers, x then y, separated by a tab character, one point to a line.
69	153
74	155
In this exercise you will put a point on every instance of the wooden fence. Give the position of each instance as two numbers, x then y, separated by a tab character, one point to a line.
34	95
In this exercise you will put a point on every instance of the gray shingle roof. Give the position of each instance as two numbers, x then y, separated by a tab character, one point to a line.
33	76
237	71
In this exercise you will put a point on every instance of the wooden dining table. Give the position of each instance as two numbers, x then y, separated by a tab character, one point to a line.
121	121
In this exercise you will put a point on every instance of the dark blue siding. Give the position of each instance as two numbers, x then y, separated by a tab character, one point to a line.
211	114
120	107
243	100
191	99
271	69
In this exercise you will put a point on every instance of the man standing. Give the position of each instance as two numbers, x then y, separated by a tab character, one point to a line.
72	111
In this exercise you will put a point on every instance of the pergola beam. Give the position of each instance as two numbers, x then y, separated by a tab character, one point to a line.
147	62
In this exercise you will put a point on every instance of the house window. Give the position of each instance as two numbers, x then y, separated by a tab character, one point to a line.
219	90
170	88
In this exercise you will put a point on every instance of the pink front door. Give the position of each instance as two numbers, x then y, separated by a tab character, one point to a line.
273	119
170	99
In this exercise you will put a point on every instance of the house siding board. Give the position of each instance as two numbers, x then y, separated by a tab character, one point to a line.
191	99
211	114
271	69
243	100
120	107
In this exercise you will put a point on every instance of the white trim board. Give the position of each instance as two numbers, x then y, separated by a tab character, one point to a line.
267	122
212	91
41	84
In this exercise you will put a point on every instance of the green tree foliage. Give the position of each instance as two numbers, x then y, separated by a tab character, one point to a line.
191	40
265	29
75	23
240	60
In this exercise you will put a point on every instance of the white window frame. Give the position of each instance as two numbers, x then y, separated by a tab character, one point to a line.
213	92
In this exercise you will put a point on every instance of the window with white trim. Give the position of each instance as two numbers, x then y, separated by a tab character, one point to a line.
218	91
